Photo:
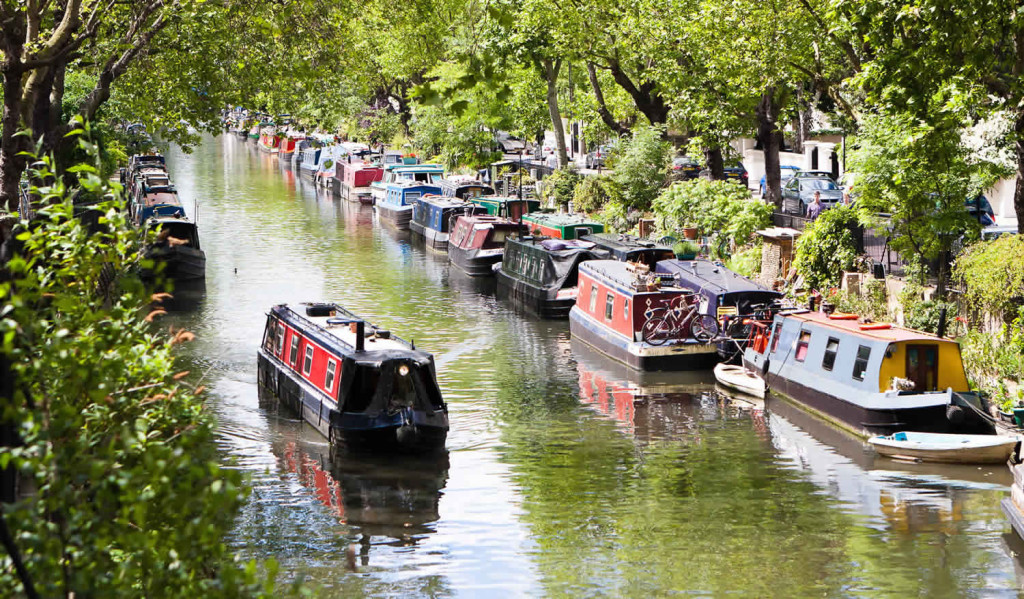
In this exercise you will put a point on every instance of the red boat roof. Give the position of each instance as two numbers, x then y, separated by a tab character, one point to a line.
893	333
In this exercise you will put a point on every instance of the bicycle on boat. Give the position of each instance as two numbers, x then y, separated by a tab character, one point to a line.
676	320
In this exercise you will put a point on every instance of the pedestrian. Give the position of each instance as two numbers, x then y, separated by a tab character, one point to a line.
814	210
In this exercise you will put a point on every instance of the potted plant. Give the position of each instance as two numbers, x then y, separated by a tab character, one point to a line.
686	250
690	232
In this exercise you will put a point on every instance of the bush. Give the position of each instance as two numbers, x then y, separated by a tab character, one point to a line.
871	304
992	360
722	208
992	274
560	186
593	193
746	262
642	167
826	248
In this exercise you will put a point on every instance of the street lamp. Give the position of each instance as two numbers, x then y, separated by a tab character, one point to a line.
521	174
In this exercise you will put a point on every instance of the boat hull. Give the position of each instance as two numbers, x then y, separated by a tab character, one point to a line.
399	216
536	300
991	450
180	263
473	262
868	422
363	195
686	355
406	430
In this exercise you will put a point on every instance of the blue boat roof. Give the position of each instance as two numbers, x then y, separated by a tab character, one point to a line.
444	201
418	168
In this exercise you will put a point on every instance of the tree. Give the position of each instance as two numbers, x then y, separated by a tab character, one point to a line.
642	167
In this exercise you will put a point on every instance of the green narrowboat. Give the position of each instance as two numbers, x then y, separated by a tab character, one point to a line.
561	225
507	207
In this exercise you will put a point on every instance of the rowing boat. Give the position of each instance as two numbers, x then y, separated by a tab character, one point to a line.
740	379
946	448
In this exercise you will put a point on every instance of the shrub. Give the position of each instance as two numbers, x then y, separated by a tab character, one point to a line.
593	193
992	274
826	248
746	262
642	167
722	208
870	304
560	186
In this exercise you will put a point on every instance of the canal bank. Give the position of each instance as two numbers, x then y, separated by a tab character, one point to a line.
563	475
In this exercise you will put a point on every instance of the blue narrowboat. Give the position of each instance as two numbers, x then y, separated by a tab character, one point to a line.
730	297
309	162
358	385
433	216
869	378
394	173
396	206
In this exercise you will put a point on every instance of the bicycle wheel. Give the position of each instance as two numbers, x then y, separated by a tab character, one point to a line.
656	331
704	328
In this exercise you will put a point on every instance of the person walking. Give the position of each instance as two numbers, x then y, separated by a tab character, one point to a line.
814	209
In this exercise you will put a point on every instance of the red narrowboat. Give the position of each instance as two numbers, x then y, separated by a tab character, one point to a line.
287	147
631	315
359	385
352	180
477	242
269	141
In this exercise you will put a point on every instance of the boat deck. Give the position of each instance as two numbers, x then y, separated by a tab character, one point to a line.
346	333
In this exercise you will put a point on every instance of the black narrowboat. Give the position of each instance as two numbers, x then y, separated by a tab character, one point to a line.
477	242
359	385
177	248
728	296
465	189
541	274
629	248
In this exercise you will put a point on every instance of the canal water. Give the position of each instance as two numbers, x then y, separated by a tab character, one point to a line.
565	475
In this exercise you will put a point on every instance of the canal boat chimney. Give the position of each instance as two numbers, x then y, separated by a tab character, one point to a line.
360	335
941	331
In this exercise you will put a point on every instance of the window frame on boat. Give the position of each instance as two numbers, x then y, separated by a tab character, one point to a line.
279	345
775	337
293	351
593	298
330	374
803	341
625	309
307	361
828	357
609	306
861	363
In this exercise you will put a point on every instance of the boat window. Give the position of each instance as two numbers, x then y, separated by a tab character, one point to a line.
861	363
307	364
593	297
498	237
831	348
411	196
280	339
609	305
625	310
294	353
329	377
801	346
775	336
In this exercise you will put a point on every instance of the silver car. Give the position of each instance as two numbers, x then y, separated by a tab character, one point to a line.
798	192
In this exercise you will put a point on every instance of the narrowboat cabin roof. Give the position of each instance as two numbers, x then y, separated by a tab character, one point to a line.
560	219
327	323
629	248
452	187
161	196
445	201
622	274
891	333
710	276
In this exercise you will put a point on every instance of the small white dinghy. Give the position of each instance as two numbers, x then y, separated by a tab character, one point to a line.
740	379
946	448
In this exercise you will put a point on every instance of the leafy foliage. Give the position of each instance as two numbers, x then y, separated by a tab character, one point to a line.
992	274
993	360
122	491
826	248
746	262
560	186
642	167
719	208
593	192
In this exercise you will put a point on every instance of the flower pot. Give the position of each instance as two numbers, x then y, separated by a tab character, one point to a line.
687	256
690	233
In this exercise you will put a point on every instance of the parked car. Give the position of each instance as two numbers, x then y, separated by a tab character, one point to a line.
686	167
981	210
786	172
596	159
798	193
738	173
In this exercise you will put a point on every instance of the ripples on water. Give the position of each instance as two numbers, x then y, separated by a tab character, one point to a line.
565	474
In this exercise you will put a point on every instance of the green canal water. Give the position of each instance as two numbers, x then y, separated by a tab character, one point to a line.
565	475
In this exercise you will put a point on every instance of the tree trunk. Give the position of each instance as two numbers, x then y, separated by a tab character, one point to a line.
602	108
1018	190
768	136
648	101
550	69
11	165
714	163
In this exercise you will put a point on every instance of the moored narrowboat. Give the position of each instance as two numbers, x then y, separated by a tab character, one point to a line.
431	174
357	384
869	378
629	248
464	189
561	225
155	202
289	144
352	180
176	248
477	242
309	160
631	315
541	274
396	207
730	297
507	207
269	141
433	216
